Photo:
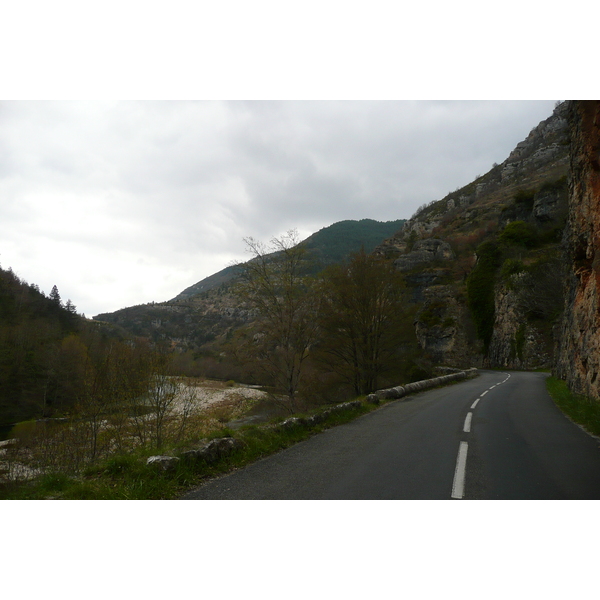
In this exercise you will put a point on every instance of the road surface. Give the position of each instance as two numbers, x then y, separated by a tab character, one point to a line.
497	436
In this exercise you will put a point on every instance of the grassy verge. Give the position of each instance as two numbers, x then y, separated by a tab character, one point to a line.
584	411
128	477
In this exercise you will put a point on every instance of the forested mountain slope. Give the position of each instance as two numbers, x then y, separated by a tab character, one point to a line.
327	246
208	310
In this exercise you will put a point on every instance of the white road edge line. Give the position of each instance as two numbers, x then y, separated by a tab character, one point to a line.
475	403
484	393
458	485
467	425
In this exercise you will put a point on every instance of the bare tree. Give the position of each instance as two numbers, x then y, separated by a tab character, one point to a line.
363	319
276	285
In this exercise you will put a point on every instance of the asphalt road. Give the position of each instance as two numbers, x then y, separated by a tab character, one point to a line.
497	436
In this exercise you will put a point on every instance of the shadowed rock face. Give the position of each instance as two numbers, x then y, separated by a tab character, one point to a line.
424	251
515	343
546	206
578	352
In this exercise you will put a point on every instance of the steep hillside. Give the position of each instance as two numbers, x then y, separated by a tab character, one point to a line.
327	246
32	327
473	258
207	310
483	265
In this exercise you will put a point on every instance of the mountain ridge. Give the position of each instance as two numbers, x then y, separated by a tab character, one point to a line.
195	318
365	232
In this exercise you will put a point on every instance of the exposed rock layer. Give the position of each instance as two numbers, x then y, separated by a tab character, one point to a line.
578	352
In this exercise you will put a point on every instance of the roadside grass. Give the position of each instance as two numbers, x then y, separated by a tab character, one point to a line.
581	409
128	477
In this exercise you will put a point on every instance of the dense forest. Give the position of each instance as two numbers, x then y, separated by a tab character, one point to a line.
51	358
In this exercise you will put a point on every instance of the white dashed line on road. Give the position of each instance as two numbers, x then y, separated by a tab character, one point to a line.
458	485
467	426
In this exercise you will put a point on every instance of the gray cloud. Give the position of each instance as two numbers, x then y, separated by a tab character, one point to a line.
120	203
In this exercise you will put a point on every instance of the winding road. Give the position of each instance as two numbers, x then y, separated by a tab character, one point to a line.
497	436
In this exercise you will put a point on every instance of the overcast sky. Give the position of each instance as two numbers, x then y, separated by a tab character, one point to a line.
123	203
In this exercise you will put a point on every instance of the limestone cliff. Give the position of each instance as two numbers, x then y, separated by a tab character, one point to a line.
578	349
517	342
436	252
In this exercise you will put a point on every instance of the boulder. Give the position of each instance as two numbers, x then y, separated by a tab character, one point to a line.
220	448
164	463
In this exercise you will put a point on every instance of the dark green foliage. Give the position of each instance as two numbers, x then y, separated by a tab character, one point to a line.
554	186
525	197
540	290
330	245
31	328
337	242
519	233
480	290
410	241
510	267
517	345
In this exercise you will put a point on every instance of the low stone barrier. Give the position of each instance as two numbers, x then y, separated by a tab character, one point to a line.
221	447
210	453
319	417
400	391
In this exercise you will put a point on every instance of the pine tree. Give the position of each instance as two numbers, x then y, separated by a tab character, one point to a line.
55	296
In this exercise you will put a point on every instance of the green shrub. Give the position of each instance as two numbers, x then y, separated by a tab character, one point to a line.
510	267
555	185
120	464
518	343
519	233
525	197
54	482
480	290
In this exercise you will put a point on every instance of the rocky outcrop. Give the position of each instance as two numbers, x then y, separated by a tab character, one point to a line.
440	327
530	185
542	157
424	251
578	349
549	204
515	343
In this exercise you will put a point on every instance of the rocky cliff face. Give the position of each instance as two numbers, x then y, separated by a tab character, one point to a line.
517	343
541	158
578	351
435	251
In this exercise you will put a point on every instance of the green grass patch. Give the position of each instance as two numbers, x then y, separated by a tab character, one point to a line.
581	409
128	477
